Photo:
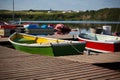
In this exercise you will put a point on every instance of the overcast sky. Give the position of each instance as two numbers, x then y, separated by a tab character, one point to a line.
59	4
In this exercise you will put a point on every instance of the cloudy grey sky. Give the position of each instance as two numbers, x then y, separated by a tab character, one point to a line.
59	4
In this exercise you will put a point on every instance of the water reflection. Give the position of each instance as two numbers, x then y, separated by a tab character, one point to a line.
73	31
84	27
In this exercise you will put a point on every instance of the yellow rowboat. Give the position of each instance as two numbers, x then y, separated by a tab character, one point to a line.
46	46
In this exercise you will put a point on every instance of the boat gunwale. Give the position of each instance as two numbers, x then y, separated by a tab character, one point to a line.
43	45
25	44
96	41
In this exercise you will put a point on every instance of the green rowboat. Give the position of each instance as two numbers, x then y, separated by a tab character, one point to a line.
45	46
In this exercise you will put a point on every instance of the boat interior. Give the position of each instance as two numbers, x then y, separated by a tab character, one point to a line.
29	39
100	37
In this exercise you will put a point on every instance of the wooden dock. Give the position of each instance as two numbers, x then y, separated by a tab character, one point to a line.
95	58
16	65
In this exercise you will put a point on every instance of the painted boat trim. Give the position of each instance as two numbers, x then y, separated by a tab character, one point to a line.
98	50
105	42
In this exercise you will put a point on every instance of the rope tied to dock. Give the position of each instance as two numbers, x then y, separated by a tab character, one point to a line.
74	47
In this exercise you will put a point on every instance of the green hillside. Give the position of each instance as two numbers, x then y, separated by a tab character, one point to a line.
107	14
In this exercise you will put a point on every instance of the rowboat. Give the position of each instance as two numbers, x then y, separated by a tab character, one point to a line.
100	42
45	46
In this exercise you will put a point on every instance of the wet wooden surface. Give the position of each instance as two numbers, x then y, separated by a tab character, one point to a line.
16	65
3	39
95	58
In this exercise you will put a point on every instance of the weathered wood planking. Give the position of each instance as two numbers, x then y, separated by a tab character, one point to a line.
23	66
95	58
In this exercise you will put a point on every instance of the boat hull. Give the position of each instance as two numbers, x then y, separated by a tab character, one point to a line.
101	46
54	51
65	49
46	46
35	50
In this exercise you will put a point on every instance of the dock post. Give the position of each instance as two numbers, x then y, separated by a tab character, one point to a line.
73	37
88	52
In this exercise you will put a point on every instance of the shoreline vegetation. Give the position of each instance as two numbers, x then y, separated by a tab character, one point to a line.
106	14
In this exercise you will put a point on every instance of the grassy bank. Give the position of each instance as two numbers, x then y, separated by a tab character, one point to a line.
107	14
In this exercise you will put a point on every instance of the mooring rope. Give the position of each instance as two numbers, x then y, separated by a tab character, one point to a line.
76	48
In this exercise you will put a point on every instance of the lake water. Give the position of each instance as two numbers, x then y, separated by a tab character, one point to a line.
82	25
72	32
74	22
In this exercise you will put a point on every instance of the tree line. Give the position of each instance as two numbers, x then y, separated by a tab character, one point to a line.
106	14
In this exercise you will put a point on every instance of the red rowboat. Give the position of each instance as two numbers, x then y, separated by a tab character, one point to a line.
100	42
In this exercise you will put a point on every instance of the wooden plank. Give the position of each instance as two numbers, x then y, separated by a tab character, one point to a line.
19	65
10	53
83	74
96	58
3	39
105	77
56	71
